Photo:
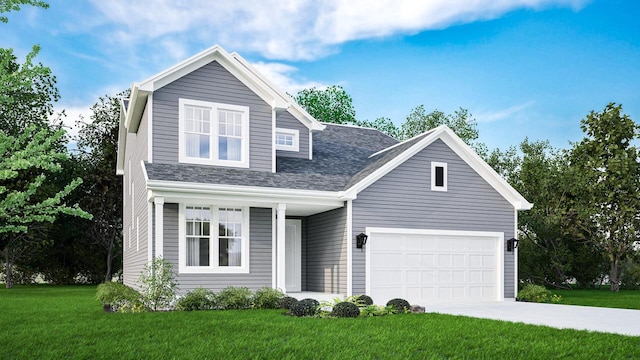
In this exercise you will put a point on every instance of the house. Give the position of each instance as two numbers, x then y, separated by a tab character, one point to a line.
235	184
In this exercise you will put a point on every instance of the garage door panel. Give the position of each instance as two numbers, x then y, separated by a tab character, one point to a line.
427	268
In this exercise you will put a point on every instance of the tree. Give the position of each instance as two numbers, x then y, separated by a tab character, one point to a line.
23	203
332	105
461	122
608	182
98	145
382	124
14	5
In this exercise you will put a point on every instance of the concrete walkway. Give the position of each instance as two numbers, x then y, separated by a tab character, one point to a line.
618	321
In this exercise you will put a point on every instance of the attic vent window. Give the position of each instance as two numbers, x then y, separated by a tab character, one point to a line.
438	176
287	139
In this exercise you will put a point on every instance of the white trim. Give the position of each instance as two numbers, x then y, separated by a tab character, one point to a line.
295	146
499	236
137	233
280	247
273	140
434	165
349	248
149	231
515	255
310	145
463	151
159	204
214	268
273	249
150	129
213	134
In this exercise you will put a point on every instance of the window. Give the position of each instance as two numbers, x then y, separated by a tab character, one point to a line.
287	139
214	134
438	176
213	239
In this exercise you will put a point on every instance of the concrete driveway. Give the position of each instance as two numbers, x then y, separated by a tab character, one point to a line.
618	321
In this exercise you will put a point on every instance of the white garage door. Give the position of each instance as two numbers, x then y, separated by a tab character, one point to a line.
427	266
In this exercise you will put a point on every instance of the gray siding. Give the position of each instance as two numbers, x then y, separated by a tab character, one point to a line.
287	121
214	83
403	199
326	252
259	254
135	228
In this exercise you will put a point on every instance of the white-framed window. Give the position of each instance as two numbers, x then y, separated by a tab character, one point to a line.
287	139
438	176
213	239
213	133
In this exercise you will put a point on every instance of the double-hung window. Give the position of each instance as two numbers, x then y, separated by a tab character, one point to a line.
213	239
213	133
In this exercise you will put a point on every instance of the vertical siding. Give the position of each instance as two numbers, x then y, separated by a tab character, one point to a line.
135	256
326	252
403	199
259	254
287	121
213	83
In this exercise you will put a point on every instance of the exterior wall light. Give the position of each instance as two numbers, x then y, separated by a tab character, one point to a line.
361	239
512	244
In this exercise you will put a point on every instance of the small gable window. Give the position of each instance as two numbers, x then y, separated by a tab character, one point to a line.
438	176
287	139
214	134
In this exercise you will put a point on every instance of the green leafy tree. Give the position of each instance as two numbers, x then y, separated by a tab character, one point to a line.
461	122
383	124
332	105
98	145
608	181
14	5
22	203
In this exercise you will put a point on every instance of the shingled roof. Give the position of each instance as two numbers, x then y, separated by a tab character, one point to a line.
342	156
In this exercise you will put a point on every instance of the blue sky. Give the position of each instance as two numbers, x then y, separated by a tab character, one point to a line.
523	68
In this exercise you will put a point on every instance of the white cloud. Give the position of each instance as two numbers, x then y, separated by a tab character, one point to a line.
496	115
73	114
281	76
288	29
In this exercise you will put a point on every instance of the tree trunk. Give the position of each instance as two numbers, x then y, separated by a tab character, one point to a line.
8	276
613	274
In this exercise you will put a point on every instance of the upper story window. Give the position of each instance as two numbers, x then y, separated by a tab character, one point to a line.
287	139
438	176
213	133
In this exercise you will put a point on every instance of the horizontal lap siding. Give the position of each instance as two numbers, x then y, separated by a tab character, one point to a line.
135	239
259	254
287	121
212	83
326	252
403	199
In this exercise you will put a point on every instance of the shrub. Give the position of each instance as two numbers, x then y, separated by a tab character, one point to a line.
399	305
286	302
630	275
364	300
537	293
158	284
305	307
115	296
375	310
234	298
266	298
198	299
346	309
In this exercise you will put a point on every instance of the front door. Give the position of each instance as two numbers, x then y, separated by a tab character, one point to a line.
293	255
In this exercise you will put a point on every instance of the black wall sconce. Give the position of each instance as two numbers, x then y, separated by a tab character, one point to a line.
361	239
512	244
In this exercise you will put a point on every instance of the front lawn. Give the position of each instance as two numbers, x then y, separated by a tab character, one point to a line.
47	322
624	299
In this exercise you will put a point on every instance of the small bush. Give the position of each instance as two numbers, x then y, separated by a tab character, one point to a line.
305	307
375	310
158	285
198	299
399	305
286	302
364	300
537	293
234	298
115	296
266	298
346	309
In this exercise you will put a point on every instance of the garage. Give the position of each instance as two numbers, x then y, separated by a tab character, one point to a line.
433	266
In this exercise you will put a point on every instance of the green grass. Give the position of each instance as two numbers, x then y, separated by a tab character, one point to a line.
624	299
46	322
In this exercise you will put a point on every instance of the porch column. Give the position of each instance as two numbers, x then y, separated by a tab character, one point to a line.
280	244
159	202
